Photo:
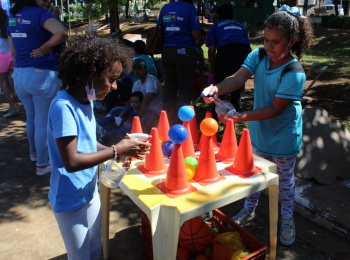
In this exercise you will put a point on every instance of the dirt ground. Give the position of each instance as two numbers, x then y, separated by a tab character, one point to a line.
28	228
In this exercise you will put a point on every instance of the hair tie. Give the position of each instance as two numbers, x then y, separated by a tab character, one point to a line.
291	10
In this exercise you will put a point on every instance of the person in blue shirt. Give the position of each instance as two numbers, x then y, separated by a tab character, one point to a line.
181	27
228	47
89	66
276	120
33	32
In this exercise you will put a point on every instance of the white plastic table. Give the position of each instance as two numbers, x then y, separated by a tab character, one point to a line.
166	215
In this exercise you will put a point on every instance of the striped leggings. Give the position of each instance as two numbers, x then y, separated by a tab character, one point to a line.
285	170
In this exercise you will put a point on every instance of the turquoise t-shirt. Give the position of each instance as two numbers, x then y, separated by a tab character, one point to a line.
68	117
280	136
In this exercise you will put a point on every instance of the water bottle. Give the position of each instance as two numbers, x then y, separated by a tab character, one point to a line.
112	174
222	108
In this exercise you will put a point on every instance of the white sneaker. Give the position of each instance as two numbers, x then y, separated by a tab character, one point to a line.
243	217
287	234
43	170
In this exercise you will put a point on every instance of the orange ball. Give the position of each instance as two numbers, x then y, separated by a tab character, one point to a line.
209	126
195	235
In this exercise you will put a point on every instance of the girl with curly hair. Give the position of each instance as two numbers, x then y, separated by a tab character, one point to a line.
90	68
276	121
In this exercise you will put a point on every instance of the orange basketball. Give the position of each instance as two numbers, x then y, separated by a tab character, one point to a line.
209	126
195	235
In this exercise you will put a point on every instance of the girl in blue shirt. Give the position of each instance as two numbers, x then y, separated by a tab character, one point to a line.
276	120
89	67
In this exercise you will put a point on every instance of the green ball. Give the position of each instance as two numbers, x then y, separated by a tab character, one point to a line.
214	230
192	161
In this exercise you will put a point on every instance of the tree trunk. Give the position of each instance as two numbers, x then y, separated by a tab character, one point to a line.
127	10
336	2
114	17
305	7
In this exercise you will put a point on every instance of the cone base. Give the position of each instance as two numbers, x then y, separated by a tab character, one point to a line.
150	173
224	159
205	182
175	193
243	174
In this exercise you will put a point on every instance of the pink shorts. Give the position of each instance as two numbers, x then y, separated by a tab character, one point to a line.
6	62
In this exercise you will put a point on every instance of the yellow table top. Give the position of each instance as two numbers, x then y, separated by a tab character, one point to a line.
146	191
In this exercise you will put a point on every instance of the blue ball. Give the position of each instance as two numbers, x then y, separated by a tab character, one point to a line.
167	148
178	134
186	113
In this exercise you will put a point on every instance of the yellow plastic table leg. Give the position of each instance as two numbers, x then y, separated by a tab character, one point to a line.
105	195
273	212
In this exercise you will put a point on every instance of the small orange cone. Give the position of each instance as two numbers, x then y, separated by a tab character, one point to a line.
244	162
194	128
163	126
206	172
136	125
154	161
228	148
176	183
216	146
187	145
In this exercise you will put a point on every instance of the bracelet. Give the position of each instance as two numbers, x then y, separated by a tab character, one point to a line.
115	152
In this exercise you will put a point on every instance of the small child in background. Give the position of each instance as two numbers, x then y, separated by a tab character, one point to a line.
117	117
198	82
135	104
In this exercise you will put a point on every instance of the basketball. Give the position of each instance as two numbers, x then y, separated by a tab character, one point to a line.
182	254
195	235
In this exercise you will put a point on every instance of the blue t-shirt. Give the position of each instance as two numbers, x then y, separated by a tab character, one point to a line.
68	117
179	19
225	32
130	114
28	33
280	136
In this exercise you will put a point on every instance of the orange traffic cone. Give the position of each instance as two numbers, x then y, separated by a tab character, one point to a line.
228	148
194	128
216	146
206	172
154	161
187	145
136	125
163	126
244	162
176	183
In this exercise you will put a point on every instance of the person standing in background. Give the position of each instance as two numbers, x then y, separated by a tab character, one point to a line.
228	47
6	69
33	32
181	28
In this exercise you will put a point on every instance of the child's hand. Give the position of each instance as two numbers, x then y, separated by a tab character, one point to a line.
133	148
208	93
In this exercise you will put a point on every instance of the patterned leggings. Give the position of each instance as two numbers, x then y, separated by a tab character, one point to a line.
285	170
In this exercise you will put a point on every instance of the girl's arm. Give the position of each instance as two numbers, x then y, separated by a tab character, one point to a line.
74	161
277	107
229	84
58	35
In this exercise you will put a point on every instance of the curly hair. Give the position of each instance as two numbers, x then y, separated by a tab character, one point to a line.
90	56
294	26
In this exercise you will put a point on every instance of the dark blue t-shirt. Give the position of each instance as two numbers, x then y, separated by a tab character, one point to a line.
225	32
28	33
179	19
